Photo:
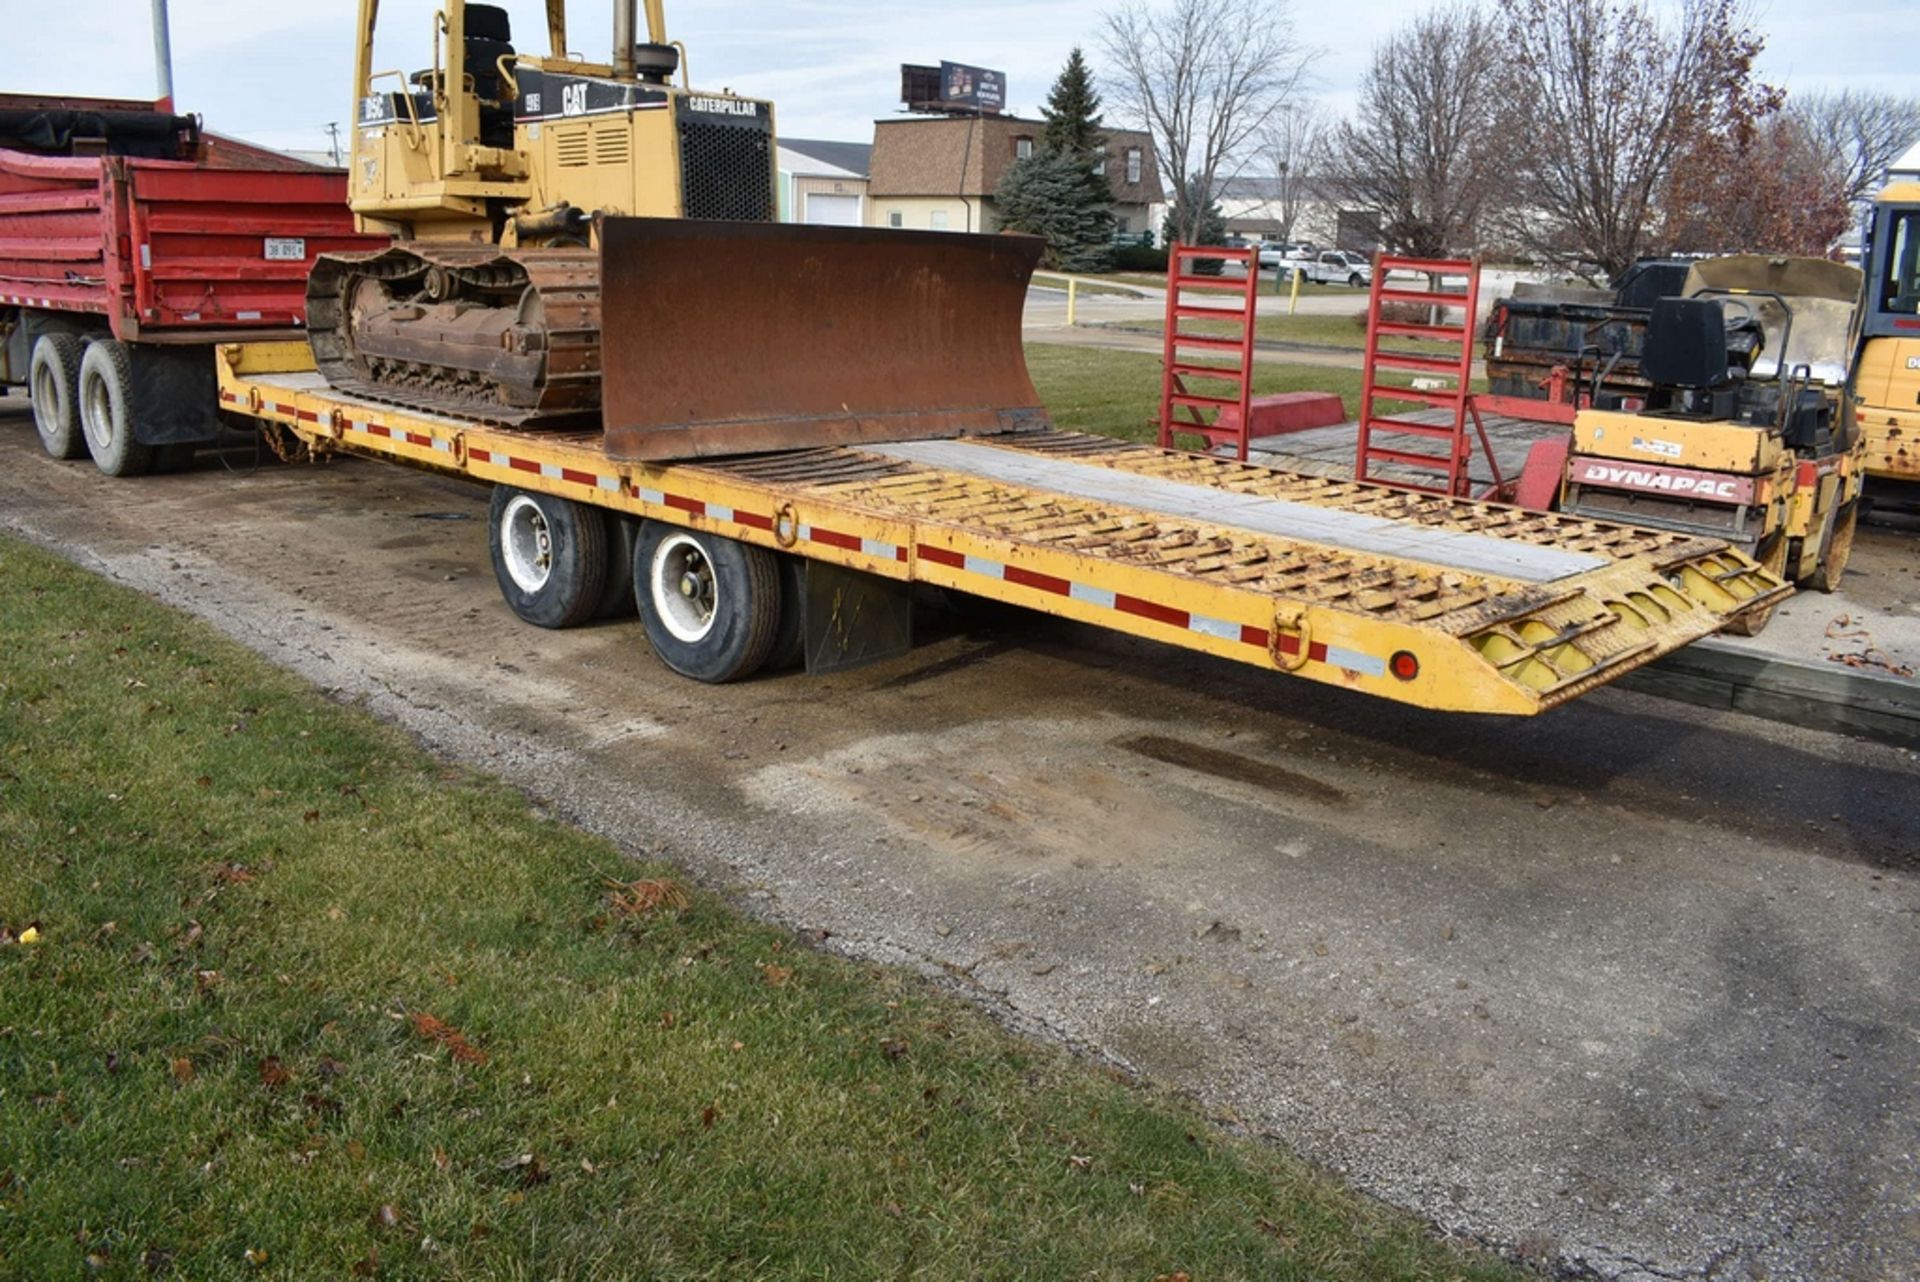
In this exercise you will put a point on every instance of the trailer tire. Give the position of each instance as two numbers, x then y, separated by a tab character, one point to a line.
549	556
106	410
711	605
616	599
790	639
53	377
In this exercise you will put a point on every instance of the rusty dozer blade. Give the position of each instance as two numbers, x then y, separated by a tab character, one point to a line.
741	338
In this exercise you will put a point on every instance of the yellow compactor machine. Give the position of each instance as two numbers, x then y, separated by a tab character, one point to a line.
1747	434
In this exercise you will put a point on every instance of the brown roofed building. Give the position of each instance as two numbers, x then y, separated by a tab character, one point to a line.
939	173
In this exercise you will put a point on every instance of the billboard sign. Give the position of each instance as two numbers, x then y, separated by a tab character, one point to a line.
964	88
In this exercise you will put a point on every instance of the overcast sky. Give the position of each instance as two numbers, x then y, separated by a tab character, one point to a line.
278	72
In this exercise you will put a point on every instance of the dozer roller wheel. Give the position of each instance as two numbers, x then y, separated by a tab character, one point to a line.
711	605
53	374
549	556
1833	561
1773	560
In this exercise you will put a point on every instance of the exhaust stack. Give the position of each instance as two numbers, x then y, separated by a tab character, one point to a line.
625	13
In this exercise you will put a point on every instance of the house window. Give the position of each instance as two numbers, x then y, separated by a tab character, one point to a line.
1133	164
896	219
937	219
1022	148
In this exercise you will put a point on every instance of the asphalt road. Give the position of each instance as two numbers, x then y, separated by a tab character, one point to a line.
1627	988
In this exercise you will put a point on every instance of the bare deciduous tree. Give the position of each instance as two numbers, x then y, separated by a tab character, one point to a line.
1422	151
1605	95
1293	154
1858	134
1204	78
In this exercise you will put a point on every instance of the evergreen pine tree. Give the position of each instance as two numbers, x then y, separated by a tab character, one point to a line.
1073	111
1055	192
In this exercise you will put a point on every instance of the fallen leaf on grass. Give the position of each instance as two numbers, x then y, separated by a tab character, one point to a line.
438	1030
441	1161
776	975
895	1050
638	898
707	1117
182	1069
274	1074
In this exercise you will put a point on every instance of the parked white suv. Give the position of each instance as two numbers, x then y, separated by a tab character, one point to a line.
1333	267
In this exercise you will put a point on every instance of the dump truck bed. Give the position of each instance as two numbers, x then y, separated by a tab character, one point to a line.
166	250
1452	605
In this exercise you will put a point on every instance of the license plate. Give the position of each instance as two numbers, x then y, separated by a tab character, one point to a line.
286	249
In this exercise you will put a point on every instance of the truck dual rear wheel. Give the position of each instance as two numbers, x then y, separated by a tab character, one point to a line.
106	410
53	375
549	556
711	605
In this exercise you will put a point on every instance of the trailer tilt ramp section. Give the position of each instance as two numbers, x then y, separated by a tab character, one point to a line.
1426	600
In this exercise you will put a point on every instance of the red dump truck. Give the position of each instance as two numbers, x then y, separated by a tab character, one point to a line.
131	241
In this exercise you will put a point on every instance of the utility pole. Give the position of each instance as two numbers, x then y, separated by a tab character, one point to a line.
333	135
162	55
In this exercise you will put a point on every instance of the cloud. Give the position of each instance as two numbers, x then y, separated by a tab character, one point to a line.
279	72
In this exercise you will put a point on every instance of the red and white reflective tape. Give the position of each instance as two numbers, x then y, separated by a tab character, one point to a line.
19	300
551	471
1172	617
368	427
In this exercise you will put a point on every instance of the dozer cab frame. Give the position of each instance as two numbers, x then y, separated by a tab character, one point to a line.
496	145
1886	378
1745	433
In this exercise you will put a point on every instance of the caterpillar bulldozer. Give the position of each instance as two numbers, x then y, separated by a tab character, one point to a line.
1745	432
496	170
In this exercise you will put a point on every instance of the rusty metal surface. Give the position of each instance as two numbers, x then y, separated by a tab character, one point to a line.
738	338
510	337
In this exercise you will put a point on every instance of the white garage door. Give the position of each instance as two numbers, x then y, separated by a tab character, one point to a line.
833	211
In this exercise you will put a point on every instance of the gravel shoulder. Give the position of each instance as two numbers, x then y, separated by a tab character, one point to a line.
1625	989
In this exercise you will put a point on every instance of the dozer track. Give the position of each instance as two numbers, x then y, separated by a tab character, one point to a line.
506	337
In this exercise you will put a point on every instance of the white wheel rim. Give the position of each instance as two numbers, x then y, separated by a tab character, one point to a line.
686	593
526	542
96	410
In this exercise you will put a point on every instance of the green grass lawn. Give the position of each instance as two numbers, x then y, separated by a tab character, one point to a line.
300	1002
1091	389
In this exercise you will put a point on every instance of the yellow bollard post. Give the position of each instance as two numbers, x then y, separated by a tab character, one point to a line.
1073	299
1293	298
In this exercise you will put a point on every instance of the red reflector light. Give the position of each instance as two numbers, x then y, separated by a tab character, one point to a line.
1404	666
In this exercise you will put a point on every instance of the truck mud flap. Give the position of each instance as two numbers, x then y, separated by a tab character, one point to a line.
723	338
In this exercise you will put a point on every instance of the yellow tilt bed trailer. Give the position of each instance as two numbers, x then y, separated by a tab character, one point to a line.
1445	604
